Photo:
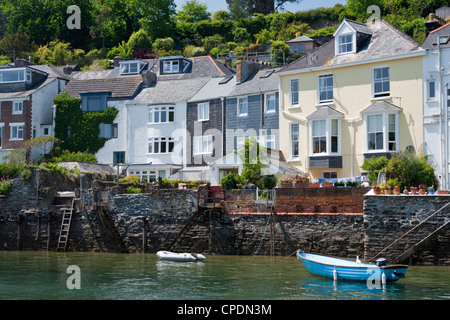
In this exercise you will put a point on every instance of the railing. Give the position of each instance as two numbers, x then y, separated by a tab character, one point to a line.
267	195
212	197
260	56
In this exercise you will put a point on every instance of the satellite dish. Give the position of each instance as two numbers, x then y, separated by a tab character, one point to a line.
381	178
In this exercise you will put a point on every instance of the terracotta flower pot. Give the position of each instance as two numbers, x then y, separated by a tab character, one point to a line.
285	185
421	191
301	185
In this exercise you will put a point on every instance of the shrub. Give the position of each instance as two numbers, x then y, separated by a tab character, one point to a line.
231	180
133	190
5	186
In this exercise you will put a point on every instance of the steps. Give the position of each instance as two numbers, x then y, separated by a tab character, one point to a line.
187	226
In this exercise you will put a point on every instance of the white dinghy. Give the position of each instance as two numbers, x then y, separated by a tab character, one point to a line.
173	256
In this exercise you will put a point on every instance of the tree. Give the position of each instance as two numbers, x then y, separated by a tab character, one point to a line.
16	44
158	17
280	51
193	11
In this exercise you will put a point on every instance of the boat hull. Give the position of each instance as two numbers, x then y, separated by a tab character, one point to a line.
173	256
336	268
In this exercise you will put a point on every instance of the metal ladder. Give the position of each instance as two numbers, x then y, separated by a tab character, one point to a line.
65	227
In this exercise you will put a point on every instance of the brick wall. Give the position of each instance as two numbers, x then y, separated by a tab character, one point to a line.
8	117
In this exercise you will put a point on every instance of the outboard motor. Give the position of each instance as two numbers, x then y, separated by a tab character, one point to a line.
382	262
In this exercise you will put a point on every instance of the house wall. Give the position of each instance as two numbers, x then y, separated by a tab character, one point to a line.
256	123
433	125
352	92
7	117
213	126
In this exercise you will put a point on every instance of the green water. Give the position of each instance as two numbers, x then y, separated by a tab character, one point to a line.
43	276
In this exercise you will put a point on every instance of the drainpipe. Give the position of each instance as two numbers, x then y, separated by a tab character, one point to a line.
352	144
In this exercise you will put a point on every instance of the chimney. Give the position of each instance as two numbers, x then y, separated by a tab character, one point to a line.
228	63
117	61
433	23
148	77
19	63
245	69
67	70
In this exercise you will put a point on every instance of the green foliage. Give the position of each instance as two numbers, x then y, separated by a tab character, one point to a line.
231	181
66	155
133	190
84	126
5	186
193	11
280	50
403	169
373	166
139	40
164	44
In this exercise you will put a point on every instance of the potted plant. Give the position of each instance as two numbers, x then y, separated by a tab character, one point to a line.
314	185
387	190
285	183
413	190
301	182
339	184
405	191
376	189
327	184
431	190
421	189
396	190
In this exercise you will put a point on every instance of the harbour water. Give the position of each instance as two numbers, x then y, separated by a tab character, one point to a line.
55	276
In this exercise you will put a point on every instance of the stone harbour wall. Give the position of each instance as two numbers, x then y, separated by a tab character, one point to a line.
332	221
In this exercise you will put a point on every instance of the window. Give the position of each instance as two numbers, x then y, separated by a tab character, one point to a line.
294	88
160	145
271	102
269	141
381	82
329	174
326	88
129	67
171	66
203	144
28	76
325	136
94	102
161	114
382	132
118	157
15	75
294	137
431	89
345	43
108	131
243	107
203	111
319	136
16	131
17	107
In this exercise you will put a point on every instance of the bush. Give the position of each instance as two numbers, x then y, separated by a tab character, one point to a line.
133	190
5	186
231	180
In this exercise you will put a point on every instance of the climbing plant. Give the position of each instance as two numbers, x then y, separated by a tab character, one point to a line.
79	131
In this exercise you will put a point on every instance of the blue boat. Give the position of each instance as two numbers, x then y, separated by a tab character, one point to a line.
339	268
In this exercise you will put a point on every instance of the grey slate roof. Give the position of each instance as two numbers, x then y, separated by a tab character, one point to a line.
381	107
213	90
386	41
359	27
325	112
431	40
300	39
257	83
170	91
123	87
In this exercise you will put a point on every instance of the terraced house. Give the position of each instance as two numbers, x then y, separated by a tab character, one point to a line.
26	99
355	97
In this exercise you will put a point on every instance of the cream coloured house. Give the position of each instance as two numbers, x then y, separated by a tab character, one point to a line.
357	96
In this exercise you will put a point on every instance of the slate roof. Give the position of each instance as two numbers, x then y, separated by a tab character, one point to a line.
204	66
431	40
170	91
381	107
259	82
123	87
300	39
325	112
386	41
214	90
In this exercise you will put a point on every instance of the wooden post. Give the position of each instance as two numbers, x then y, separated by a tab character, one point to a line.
144	235
49	230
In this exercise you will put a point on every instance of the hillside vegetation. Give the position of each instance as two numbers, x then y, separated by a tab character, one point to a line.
145	28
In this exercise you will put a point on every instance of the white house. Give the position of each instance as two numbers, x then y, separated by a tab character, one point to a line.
436	79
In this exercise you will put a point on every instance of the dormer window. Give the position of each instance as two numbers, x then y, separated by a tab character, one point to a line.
131	67
15	75
172	66
345	43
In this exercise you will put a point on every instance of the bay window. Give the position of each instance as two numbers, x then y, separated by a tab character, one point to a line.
325	137
382	132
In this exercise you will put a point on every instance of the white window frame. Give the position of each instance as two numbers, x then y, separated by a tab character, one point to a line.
385	130
268	98
127	66
16	131
382	94
322	88
13	70
324	173
329	124
239	107
199	144
156	113
292	141
340	45
171	66
431	97
17	107
294	96
203	111
168	142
